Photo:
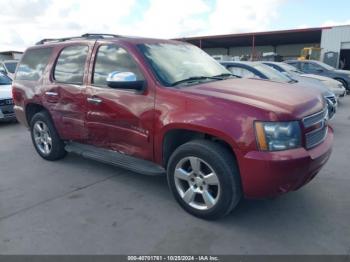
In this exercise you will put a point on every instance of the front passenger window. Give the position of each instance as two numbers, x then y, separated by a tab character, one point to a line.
111	58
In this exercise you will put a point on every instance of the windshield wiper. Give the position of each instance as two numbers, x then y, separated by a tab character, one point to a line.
195	78
227	75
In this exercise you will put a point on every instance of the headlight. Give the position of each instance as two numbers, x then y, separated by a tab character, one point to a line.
277	136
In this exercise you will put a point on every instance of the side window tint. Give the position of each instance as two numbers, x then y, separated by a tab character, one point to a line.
33	64
71	64
111	58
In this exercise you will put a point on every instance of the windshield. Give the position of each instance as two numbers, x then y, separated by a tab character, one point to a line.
173	63
324	65
4	80
11	66
272	74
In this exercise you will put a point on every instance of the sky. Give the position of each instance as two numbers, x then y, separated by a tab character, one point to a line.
24	22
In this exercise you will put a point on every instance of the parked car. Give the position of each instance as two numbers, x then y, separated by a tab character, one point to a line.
334	86
8	67
6	101
322	69
262	71
160	106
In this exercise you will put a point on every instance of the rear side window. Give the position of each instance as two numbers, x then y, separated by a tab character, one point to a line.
33	64
70	65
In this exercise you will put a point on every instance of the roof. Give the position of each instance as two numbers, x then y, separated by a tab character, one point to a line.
294	36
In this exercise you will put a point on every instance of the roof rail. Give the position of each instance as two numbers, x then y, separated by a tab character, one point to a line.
88	35
84	36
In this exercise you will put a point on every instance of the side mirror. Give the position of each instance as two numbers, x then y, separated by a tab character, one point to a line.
125	80
3	72
319	70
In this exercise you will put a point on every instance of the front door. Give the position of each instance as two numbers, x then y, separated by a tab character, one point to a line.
121	120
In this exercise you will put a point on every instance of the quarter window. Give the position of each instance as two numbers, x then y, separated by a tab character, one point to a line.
111	58
33	64
71	64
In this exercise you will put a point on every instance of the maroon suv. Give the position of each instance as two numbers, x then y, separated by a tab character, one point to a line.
162	107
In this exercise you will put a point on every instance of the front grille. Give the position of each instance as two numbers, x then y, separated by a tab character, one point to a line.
332	99
6	102
332	106
318	135
315	119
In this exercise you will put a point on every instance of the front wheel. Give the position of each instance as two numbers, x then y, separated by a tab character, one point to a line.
204	179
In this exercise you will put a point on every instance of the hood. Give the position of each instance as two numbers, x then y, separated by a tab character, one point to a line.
5	91
346	72
329	82
321	78
314	83
296	101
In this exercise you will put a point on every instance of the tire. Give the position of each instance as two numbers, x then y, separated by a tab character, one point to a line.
213	197
47	135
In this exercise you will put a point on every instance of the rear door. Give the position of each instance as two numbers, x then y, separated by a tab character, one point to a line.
121	120
65	90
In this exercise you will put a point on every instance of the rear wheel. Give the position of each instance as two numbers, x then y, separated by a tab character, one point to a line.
204	179
45	138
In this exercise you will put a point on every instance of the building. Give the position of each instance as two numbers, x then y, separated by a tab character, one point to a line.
333	41
10	55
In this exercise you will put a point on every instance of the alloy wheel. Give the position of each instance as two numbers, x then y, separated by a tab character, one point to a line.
197	183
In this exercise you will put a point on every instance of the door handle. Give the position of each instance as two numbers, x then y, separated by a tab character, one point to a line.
94	100
53	94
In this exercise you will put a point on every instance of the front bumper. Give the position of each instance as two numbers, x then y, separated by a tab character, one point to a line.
339	92
7	113
269	174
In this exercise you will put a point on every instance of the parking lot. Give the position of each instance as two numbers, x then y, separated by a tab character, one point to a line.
77	206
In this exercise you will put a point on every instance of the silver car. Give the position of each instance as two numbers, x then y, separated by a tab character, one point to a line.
6	101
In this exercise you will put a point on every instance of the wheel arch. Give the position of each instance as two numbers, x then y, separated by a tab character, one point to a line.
174	137
31	109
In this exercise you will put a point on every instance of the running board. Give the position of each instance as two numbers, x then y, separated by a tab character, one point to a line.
115	158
